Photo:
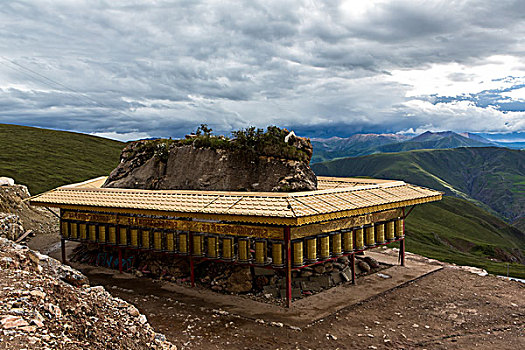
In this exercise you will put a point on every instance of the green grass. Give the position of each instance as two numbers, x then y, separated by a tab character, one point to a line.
456	231
44	159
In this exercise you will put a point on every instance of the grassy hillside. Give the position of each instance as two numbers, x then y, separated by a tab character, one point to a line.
489	176
43	159
456	231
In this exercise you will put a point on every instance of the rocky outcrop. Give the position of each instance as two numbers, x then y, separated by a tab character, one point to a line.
188	166
47	305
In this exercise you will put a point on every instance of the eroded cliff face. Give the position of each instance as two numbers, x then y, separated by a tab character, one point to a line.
196	168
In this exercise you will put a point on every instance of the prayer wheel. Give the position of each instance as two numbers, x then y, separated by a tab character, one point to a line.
277	254
359	238
145	239
400	223
213	246
134	237
380	233
336	244
74	230
324	243
348	241
260	251
123	236
102	233
311	250
390	231
83	232
297	249
370	238
198	244
227	249
92	230
157	240
170	241
112	235
183	243
244	249
64	229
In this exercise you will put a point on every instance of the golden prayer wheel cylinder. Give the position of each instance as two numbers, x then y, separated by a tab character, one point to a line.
183	243
244	249
64	229
157	240
83	232
198	244
213	247
170	242
390	231
336	244
359	239
380	233
260	252
92	229
277	254
311	250
134	237
74	230
145	239
324	243
348	241
123	236
227	249
297	249
399	228
102	233
370	238
112	235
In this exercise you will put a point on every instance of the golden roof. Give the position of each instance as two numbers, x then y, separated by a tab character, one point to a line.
336	198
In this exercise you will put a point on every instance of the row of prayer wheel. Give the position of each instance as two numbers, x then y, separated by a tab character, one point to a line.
228	248
312	249
242	249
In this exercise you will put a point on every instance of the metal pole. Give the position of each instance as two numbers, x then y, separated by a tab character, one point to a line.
192	269
120	259
63	246
352	262
287	242
402	243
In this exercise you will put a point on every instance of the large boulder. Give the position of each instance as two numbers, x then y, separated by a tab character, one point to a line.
166	164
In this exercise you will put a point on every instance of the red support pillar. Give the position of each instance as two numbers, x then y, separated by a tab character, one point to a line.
120	259
402	243
192	268
63	246
288	247
352	266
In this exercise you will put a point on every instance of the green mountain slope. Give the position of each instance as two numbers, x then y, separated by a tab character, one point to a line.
43	159
430	140
456	231
491	177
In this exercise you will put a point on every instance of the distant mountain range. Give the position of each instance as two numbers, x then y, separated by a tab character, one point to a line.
365	144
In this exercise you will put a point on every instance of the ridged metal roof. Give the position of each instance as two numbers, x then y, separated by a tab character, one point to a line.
336	195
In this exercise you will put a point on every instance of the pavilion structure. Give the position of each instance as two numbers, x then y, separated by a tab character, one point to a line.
286	231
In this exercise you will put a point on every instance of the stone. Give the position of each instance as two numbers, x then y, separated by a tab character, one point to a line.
363	266
319	268
272	290
344	260
306	273
296	293
324	280
312	286
6	181
259	271
240	281
13	322
336	277
346	274
372	262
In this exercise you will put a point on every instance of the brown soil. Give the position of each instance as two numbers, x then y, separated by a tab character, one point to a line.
448	309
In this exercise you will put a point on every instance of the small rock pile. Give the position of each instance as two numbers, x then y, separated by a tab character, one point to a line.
47	305
10	226
256	282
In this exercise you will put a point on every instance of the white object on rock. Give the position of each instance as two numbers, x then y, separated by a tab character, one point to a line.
6	181
287	137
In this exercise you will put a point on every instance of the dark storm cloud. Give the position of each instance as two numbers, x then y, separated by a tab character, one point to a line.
161	68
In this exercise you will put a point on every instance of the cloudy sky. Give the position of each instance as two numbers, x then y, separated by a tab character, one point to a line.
132	69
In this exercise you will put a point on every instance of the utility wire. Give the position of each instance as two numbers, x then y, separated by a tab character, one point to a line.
70	89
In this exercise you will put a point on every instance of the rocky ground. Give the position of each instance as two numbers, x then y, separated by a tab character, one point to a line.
47	305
